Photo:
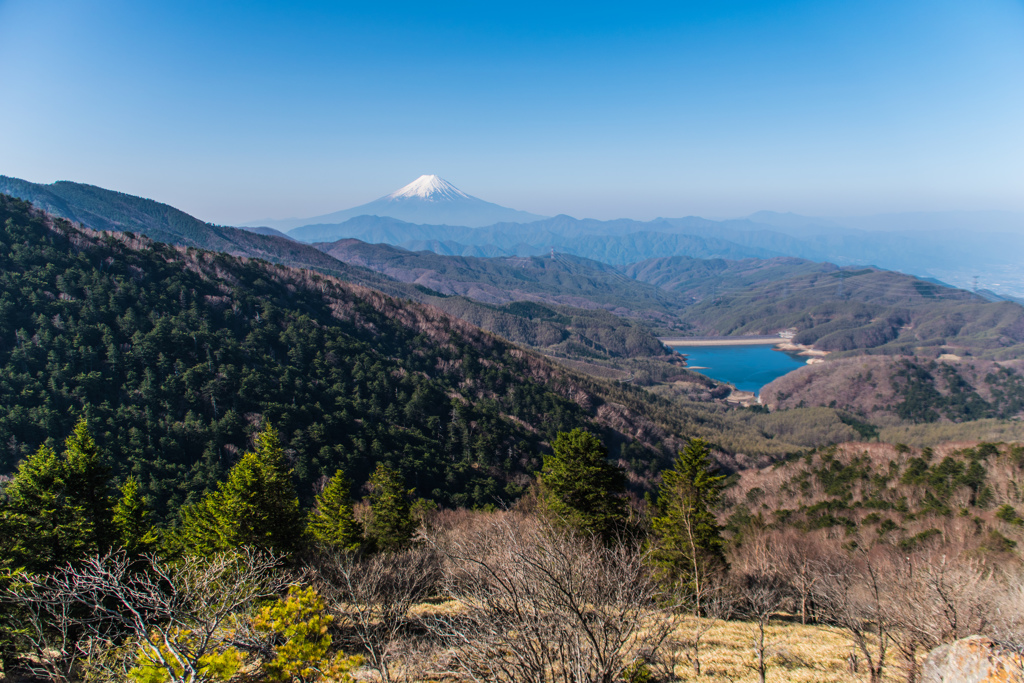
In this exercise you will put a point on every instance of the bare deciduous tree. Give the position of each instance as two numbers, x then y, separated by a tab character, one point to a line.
856	598
936	599
685	645
803	559
1007	614
125	612
540	605
373	598
761	596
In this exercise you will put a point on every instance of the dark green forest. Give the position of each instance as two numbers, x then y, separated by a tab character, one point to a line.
917	384
174	356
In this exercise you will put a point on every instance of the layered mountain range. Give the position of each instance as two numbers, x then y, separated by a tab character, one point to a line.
431	214
610	307
177	352
601	316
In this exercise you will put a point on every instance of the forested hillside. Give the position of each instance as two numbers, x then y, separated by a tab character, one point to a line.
839	309
101	209
951	389
175	355
593	335
888	495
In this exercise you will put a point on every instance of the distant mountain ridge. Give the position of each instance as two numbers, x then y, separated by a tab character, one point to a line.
428	199
613	242
959	246
599	332
562	279
950	251
100	209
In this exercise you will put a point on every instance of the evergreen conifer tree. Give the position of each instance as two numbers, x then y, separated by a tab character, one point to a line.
57	508
132	520
688	541
88	482
331	521
581	488
391	525
256	506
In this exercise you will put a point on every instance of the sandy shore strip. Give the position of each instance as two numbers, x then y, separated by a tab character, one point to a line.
721	341
802	349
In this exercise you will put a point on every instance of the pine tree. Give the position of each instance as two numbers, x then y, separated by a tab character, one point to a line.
688	541
44	528
391	525
88	482
57	508
256	506
331	521
581	488
132	520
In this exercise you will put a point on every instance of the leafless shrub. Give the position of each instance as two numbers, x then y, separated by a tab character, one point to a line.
684	646
372	598
937	597
759	596
543	606
1007	613
114	613
803	559
856	598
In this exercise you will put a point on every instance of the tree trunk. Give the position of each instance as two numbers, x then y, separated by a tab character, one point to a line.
761	668
910	655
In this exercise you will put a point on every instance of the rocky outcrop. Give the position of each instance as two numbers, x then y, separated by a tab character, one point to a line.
972	660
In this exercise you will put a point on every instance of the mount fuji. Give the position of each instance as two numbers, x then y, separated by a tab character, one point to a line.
427	200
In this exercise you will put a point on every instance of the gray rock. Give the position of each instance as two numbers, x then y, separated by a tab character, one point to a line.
972	660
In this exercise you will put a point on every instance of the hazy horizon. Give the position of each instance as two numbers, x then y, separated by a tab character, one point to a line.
236	113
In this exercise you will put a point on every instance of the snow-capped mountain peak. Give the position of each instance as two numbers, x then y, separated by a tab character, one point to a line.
428	200
430	187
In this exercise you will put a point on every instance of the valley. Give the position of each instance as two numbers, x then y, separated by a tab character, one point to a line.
610	321
848	420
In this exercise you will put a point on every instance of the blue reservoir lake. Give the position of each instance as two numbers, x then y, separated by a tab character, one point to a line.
747	367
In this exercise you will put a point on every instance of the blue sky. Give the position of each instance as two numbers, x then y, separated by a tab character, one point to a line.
238	111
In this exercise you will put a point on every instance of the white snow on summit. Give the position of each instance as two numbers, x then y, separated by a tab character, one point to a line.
428	200
429	187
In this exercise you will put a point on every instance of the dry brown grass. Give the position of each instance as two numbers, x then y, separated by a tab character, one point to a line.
799	654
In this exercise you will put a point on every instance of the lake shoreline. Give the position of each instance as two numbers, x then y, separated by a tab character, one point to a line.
673	342
746	367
